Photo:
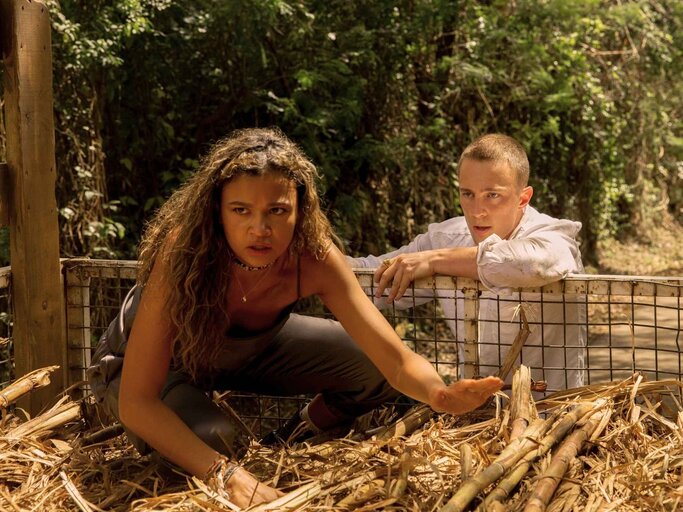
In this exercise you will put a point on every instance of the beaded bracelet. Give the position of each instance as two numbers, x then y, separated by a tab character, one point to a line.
220	471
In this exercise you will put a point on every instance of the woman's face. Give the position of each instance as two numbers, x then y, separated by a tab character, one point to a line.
258	214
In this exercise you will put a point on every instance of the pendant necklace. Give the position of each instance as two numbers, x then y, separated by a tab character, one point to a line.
247	292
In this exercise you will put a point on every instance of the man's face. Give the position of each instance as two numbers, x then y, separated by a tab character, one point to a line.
491	199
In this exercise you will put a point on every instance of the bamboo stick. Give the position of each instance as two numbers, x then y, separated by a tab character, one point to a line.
225	407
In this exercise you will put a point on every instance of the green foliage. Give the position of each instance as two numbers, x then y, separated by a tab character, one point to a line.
382	95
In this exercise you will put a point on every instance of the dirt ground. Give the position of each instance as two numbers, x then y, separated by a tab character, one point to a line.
657	251
646	333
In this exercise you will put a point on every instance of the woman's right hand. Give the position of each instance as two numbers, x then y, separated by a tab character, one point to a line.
464	395
245	490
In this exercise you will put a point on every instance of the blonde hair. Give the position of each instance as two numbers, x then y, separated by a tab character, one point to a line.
186	232
499	148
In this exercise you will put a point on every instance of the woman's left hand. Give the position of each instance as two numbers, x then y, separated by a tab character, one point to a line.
464	395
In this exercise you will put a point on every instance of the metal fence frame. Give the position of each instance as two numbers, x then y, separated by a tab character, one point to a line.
94	290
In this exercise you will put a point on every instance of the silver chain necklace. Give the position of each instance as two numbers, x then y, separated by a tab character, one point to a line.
247	292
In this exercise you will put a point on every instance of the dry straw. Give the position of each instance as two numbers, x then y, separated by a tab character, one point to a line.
616	446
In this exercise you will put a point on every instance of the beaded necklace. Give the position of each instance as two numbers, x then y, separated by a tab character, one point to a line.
249	268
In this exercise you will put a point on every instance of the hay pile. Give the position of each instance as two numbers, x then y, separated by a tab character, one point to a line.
608	447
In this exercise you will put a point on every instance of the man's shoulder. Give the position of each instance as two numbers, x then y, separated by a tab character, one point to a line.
534	220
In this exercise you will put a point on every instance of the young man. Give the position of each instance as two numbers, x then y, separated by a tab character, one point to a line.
506	244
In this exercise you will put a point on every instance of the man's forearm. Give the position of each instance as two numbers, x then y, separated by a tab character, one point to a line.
455	261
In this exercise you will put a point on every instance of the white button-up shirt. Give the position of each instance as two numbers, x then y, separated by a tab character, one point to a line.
540	250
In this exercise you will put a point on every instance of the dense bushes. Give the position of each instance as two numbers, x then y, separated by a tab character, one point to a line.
382	95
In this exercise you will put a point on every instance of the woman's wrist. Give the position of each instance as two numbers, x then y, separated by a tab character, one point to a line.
220	472
436	396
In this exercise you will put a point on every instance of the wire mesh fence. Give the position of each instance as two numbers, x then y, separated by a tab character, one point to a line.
582	330
6	342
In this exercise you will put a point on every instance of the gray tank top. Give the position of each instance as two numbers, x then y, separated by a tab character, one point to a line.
107	361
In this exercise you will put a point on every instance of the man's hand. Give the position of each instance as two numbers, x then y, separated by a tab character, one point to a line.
402	270
464	395
245	490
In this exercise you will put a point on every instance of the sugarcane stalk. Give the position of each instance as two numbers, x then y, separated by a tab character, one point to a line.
39	426
516	347
78	498
465	461
399	486
522	410
34	380
557	433
407	424
362	494
104	434
410	422
568	450
507	458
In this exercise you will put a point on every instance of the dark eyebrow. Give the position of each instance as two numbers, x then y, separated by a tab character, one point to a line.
244	203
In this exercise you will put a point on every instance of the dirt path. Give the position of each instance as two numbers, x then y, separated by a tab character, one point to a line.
642	337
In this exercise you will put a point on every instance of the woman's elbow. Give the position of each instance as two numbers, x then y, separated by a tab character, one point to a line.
126	410
130	408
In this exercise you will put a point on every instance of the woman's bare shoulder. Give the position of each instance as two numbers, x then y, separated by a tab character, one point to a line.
319	273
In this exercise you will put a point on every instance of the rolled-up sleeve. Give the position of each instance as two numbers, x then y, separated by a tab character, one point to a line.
541	256
422	242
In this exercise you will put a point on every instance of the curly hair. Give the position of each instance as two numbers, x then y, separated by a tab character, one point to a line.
186	232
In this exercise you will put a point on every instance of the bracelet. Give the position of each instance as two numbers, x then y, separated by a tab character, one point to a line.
220	471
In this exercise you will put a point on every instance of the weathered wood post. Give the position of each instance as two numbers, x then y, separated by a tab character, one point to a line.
37	294
471	324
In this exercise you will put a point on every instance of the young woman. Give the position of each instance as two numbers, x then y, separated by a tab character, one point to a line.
223	263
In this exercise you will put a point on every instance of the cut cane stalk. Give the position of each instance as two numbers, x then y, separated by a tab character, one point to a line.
507	458
567	452
40	426
522	409
34	380
556	434
516	347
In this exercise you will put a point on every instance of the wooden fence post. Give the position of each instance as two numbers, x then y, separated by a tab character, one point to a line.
471	324
78	333
37	294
